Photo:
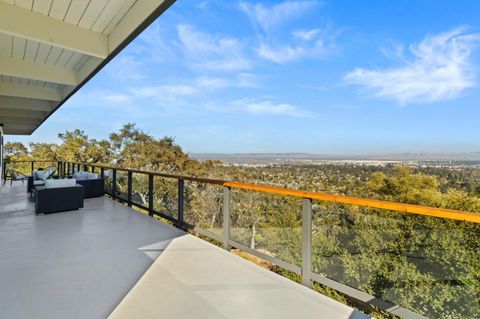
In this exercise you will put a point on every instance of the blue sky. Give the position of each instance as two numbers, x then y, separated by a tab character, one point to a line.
332	77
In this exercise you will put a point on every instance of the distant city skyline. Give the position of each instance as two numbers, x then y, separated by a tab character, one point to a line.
323	77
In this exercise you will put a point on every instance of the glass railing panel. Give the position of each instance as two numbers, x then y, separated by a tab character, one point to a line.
122	185
108	180
203	204
425	264
73	169
165	197
271	224
140	189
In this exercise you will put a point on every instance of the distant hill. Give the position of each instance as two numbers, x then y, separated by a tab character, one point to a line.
257	158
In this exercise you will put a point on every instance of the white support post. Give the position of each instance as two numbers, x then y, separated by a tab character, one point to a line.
227	194
307	242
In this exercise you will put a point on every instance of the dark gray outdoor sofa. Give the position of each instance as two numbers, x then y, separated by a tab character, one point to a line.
57	199
94	186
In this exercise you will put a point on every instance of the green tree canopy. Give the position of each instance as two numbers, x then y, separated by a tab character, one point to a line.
15	149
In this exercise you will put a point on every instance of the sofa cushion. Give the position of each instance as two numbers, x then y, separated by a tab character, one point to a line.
41	175
44	174
92	176
50	171
80	176
83	176
57	183
39	182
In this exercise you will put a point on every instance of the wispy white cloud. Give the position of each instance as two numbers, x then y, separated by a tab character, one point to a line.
213	52
241	80
438	68
154	46
122	102
268	17
203	4
394	51
126	68
280	54
307	43
198	86
306	34
312	44
256	107
164	90
116	98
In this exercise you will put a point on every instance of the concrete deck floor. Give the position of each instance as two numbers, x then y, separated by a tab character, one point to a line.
82	264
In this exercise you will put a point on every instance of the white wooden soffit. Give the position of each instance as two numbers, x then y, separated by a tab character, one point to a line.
34	26
37	71
30	91
17	103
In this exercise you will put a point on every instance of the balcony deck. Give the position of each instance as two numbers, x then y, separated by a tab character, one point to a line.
83	264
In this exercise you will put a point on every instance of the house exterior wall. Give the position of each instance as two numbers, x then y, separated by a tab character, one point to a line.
1	154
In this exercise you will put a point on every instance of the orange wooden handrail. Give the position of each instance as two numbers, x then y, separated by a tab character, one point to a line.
399	207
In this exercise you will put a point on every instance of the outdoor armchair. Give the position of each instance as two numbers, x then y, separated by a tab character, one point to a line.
15	176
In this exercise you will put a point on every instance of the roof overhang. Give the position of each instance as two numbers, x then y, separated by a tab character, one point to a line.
50	49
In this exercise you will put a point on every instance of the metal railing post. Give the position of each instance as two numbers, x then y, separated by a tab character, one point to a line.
227	196
114	183
180	202
307	242
129	189
4	170
150	195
